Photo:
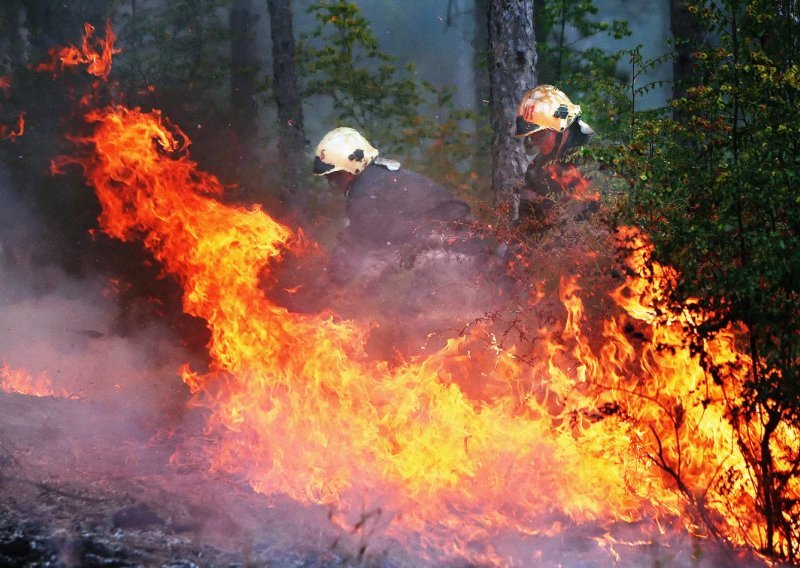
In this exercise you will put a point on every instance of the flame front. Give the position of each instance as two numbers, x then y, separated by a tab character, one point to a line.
597	430
6	132
94	53
21	381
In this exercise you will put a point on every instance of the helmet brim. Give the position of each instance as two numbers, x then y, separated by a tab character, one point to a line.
321	168
525	128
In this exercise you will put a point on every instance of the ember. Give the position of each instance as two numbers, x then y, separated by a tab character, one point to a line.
10	132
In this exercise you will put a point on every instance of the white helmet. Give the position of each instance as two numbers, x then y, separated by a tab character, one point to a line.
343	149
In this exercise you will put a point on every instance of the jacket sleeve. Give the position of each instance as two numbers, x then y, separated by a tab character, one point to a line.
347	258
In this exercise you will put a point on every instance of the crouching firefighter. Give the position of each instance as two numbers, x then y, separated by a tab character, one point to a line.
396	220
551	128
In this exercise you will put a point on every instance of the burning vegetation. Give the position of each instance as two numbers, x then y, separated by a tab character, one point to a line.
580	400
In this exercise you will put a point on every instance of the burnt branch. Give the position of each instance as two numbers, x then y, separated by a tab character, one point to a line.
697	502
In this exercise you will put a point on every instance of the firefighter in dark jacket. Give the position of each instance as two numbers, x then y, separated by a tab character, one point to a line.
396	220
551	128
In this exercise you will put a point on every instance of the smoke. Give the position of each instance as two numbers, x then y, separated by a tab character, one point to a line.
67	327
64	328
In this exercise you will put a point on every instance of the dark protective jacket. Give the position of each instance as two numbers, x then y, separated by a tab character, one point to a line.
402	214
390	208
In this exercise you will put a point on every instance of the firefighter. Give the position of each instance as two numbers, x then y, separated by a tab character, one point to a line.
551	128
395	219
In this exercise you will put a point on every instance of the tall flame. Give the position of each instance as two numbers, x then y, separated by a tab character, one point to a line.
619	426
95	53
299	405
588	431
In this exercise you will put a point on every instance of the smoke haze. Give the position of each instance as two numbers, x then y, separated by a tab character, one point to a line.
65	328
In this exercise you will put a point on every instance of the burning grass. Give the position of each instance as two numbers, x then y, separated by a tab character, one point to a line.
22	382
571	405
601	431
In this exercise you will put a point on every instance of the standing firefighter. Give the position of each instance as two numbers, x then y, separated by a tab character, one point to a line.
551	127
397	220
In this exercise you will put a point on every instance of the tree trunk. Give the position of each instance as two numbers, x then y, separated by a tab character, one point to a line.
244	68
291	139
688	34
13	35
54	23
512	70
539	29
771	499
481	52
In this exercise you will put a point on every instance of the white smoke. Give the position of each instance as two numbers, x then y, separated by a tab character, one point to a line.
62	327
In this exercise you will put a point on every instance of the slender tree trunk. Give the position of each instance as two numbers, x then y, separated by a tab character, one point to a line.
244	69
291	139
481	52
688	34
13	35
772	501
539	29
562	28
512	70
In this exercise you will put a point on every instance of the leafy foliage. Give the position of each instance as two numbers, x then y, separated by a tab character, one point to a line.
173	49
342	62
563	25
717	191
341	59
562	29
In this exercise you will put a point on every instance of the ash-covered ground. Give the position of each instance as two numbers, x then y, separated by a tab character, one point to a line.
90	484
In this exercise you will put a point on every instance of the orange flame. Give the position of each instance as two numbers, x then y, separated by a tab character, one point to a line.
572	181
10	134
7	133
96	54
594	431
21	382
